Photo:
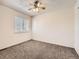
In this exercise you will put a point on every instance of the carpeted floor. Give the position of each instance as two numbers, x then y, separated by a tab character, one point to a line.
33	49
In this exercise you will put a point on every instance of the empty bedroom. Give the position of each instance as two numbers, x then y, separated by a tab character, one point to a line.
39	29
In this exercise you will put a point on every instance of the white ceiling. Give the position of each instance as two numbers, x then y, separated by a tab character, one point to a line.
24	5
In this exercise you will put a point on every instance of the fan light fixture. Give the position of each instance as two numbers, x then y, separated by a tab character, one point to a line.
37	6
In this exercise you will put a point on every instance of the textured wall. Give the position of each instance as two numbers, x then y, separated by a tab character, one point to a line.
7	35
57	24
77	27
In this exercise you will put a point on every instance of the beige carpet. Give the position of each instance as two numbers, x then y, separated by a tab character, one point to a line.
38	50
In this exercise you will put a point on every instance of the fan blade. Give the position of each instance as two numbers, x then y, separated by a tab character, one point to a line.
30	9
43	8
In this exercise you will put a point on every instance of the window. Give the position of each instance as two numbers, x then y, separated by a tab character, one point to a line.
21	24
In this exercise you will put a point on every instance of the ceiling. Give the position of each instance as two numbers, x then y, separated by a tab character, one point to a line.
23	5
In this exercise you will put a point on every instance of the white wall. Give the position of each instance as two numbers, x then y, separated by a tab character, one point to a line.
77	26
7	35
56	25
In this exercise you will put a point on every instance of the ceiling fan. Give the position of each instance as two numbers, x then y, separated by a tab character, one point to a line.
37	6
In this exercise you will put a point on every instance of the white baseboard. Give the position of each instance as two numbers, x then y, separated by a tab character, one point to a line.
77	50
